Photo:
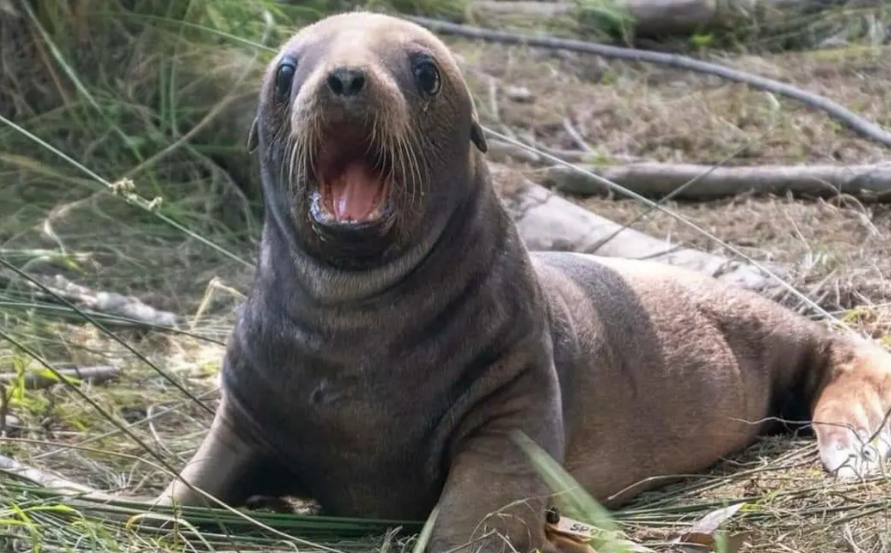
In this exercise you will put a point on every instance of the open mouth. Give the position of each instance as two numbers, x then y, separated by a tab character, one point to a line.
352	180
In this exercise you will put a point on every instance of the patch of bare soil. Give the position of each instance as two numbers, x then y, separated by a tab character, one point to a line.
622	111
643	111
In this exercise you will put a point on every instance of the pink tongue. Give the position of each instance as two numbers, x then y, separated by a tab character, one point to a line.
354	194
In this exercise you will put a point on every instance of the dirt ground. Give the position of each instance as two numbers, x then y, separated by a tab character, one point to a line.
838	249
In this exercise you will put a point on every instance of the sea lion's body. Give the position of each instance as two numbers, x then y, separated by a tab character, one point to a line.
385	378
687	369
387	381
652	364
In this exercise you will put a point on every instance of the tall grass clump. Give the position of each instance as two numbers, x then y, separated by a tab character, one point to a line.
122	160
145	99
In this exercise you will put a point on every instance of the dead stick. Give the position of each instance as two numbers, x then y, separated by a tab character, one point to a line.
36	381
653	180
51	481
548	222
859	124
76	495
661	18
110	302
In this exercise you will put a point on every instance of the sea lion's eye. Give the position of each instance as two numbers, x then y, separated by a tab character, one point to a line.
427	76
284	77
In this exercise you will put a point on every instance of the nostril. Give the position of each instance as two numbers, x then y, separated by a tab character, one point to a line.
335	84
358	83
346	82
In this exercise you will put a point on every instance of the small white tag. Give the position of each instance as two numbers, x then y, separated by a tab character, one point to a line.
574	528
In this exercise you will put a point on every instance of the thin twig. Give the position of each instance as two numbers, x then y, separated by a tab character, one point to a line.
4	408
576	136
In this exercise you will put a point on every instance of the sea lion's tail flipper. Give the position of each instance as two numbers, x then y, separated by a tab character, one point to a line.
852	411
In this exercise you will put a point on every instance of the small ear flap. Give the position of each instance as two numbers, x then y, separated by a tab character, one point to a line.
478	137
253	138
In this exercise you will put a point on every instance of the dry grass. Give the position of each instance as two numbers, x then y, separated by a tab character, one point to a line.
56	218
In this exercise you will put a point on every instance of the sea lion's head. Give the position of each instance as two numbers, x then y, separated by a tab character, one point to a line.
367	133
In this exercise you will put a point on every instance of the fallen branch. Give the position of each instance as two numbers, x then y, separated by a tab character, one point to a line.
660	18
655	180
110	303
549	222
51	481
36	381
638	18
75	495
862	126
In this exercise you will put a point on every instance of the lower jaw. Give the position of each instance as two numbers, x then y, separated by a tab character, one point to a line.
351	238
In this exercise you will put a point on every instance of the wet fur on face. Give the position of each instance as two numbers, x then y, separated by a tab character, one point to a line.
410	119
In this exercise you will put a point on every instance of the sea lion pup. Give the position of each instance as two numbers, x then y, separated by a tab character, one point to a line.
398	333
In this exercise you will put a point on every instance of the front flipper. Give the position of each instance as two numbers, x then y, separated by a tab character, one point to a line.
228	467
494	500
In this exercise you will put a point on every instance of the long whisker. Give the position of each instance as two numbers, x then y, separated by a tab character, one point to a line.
407	176
293	143
312	143
389	150
283	135
381	138
383	135
417	192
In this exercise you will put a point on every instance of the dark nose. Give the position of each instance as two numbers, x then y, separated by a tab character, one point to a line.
345	81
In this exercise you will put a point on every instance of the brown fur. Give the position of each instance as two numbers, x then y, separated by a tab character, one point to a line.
394	386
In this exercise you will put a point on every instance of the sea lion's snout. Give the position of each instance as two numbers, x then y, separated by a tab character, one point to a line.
349	125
